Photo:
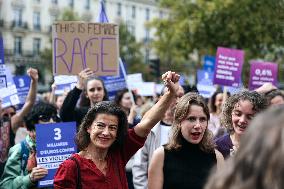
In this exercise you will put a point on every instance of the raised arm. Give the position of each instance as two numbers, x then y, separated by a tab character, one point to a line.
155	114
52	94
17	119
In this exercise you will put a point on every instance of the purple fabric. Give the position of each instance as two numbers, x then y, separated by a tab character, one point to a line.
224	144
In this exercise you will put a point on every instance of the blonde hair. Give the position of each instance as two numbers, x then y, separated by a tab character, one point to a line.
181	112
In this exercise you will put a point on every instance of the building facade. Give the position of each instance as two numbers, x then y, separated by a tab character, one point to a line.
25	26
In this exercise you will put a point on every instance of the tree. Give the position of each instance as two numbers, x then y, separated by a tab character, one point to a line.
130	53
199	27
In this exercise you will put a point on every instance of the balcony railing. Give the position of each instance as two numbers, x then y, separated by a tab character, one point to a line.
20	25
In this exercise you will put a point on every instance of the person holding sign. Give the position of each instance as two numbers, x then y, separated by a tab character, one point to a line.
94	91
107	144
21	170
238	111
14	119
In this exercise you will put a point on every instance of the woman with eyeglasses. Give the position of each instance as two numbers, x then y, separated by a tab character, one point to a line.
106	143
15	175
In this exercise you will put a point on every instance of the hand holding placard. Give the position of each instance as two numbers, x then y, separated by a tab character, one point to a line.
83	76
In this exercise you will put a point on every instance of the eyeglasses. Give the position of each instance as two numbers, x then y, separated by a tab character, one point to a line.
46	118
101	126
9	114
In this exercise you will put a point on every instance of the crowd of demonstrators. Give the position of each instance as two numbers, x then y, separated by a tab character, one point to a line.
11	120
188	157
107	144
259	161
92	91
21	172
238	111
57	100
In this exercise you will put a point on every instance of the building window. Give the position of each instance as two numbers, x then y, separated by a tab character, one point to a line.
131	29
36	46
36	20
54	2
133	11
71	3
147	14
18	46
147	35
118	9
87	5
161	14
18	14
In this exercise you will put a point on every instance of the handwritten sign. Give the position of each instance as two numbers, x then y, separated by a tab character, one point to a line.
228	67
80	45
55	143
262	72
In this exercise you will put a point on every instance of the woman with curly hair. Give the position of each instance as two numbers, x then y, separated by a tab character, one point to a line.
238	112
259	161
186	160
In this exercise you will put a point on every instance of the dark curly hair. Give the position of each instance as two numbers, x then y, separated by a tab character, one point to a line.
105	107
272	94
257	100
41	108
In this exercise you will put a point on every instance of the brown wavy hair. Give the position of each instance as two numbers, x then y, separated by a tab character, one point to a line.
181	113
259	160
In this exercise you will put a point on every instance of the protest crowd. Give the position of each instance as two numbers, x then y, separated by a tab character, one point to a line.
94	129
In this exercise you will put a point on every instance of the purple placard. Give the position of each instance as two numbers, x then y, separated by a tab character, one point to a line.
228	67
262	72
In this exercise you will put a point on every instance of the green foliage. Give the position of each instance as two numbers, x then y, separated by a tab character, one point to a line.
201	26
130	53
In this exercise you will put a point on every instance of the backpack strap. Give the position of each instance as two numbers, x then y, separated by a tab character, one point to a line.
24	156
78	181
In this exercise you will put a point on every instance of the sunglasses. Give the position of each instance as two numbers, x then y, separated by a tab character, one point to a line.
46	118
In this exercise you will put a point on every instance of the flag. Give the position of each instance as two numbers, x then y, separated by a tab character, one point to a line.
102	17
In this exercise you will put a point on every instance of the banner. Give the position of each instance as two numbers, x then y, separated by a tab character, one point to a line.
54	144
64	83
23	86
114	84
228	67
2	60
205	85
262	72
80	45
209	63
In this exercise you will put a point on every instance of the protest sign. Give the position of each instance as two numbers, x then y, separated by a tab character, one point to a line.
114	84
54	144
209	63
228	67
205	83
133	79
2	60
262	72
23	85
146	89
64	83
80	45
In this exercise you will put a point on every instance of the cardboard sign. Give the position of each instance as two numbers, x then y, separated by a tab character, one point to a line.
54	144
262	72
80	45
228	67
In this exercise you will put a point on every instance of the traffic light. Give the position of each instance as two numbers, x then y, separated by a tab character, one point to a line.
155	67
